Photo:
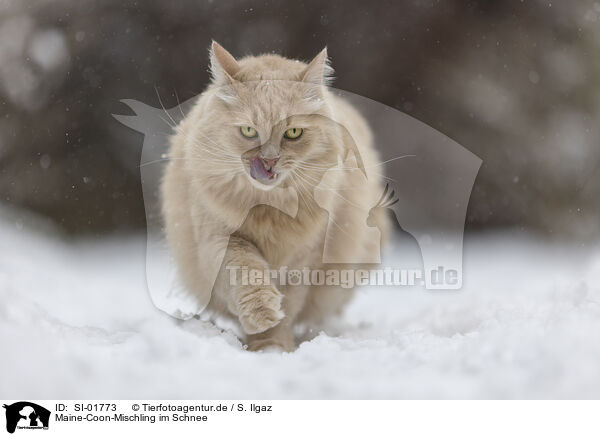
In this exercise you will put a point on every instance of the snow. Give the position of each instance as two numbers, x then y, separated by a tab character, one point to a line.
77	322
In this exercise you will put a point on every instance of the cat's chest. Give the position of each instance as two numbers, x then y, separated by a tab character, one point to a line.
279	236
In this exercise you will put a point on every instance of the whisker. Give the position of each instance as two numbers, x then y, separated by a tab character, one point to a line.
390	160
167	123
186	158
163	107
299	190
222	154
179	103
337	225
335	191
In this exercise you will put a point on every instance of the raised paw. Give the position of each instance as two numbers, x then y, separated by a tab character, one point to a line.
260	309
269	345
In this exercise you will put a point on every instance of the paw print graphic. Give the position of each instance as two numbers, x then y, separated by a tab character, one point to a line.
294	277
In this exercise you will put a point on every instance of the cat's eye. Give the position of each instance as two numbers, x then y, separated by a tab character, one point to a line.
293	133
248	132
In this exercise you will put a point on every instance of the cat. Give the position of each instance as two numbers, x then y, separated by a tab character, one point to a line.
244	162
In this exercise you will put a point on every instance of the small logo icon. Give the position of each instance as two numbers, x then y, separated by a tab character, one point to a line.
26	415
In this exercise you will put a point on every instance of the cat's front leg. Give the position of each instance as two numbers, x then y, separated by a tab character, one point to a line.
255	301
281	337
258	307
278	338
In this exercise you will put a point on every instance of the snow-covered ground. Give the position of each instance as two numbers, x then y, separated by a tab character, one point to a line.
76	321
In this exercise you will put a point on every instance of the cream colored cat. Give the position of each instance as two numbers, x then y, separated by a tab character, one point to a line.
264	133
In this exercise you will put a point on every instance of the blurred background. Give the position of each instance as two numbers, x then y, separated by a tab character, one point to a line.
515	82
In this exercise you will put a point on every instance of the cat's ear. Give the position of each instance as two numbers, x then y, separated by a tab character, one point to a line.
223	66
318	71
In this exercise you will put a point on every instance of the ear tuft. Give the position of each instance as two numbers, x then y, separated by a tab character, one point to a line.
318	71
223	66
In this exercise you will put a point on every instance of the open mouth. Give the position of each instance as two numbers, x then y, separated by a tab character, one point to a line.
259	171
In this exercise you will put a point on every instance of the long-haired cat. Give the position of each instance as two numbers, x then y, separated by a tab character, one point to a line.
245	163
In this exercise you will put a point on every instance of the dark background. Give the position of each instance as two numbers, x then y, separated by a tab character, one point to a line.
515	82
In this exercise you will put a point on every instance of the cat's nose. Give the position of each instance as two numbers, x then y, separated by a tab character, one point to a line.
270	162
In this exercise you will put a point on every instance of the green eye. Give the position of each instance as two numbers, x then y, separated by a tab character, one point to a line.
248	132
293	133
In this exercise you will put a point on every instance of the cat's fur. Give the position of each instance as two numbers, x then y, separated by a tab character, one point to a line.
206	189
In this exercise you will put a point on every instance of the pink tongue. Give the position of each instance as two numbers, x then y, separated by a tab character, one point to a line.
258	170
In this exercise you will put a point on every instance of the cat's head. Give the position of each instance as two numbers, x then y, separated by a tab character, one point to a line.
268	121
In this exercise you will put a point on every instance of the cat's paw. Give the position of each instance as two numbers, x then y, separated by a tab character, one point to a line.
260	310
270	345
